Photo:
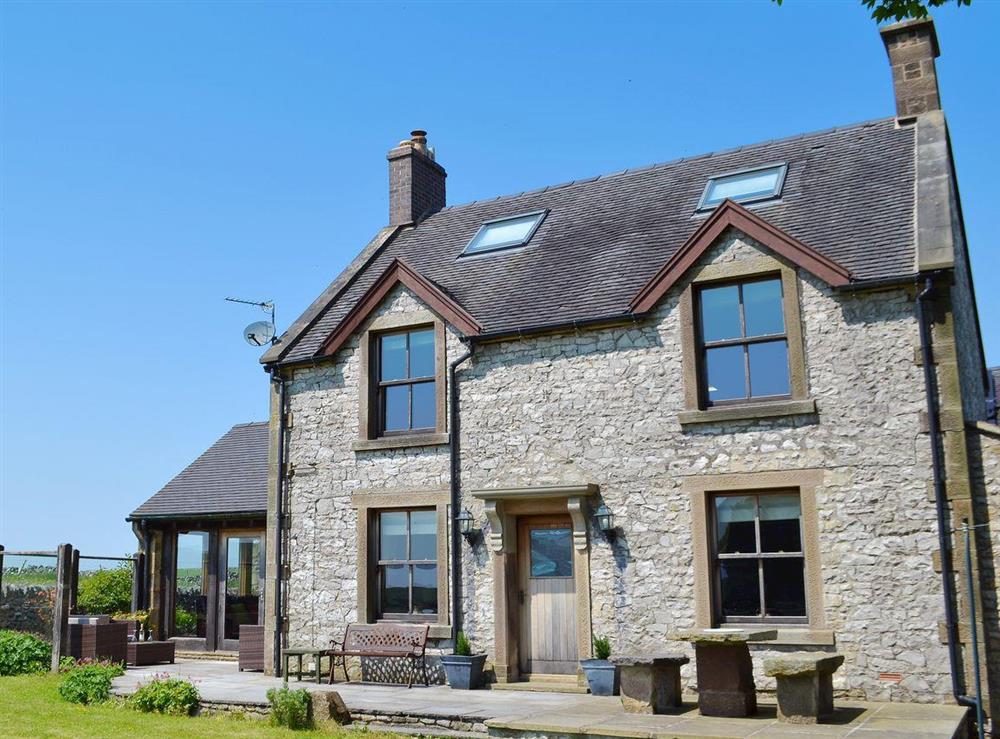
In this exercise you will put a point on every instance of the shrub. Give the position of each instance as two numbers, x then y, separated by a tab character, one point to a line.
185	622
462	646
21	654
106	591
290	708
89	682
602	647
166	695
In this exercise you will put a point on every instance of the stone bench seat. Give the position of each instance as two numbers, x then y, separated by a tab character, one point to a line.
650	683
805	685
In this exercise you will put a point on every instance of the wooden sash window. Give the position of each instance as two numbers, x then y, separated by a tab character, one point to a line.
759	562
743	345
405	382
407	570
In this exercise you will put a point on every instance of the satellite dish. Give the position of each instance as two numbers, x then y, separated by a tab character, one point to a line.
259	333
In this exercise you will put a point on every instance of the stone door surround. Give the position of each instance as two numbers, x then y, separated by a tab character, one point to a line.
503	506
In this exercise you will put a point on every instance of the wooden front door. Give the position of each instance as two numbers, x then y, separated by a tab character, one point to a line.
547	595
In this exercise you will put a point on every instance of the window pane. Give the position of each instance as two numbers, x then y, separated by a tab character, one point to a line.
191	588
784	587
392	357
425	589
424	406
720	313
726	373
422	353
743	186
762	308
779	523
423	535
551	553
395	589
740	587
242	583
734	516
769	368
392	535
397	402
510	232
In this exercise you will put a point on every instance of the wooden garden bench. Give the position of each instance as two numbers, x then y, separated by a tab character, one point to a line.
381	640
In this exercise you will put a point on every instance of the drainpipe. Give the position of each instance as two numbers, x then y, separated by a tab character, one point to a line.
453	450
279	518
940	500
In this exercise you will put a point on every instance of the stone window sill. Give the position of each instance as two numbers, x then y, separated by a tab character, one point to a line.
400	442
791	637
750	411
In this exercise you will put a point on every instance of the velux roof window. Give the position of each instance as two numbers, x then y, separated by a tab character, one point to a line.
505	233
745	186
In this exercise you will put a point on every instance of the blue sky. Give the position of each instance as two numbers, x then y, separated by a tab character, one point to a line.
157	157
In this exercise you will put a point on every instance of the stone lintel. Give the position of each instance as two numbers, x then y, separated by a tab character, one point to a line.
575	496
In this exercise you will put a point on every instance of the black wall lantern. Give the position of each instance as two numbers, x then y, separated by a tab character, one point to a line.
465	528
605	521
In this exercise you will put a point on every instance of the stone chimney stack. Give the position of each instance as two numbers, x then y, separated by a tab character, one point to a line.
912	47
416	181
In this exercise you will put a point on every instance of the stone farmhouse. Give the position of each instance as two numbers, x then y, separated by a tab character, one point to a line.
740	388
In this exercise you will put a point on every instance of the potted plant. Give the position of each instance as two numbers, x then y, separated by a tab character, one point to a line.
602	676
463	669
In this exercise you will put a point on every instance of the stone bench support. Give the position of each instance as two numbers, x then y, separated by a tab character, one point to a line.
650	683
805	685
725	670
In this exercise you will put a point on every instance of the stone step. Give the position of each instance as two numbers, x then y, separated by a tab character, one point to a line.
208	656
544	685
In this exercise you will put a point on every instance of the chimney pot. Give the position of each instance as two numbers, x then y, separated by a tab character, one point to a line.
912	47
416	181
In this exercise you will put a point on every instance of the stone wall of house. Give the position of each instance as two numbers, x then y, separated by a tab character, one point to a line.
984	454
322	545
600	406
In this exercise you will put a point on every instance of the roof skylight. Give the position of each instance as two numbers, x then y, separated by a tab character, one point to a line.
505	233
745	186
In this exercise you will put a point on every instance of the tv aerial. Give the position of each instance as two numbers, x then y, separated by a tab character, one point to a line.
259	333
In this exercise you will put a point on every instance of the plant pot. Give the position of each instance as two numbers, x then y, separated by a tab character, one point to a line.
602	676
463	673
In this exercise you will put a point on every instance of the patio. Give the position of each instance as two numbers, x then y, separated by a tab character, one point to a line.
512	713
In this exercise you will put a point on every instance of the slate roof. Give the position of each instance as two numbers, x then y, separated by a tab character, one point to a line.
848	193
230	477
995	392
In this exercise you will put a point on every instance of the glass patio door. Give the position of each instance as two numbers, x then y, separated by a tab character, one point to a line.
242	587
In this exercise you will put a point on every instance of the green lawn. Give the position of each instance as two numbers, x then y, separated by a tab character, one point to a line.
30	706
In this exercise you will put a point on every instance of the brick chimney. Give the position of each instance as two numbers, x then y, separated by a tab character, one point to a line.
912	47
416	181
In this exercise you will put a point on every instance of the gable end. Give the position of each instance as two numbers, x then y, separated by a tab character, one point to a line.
400	273
726	215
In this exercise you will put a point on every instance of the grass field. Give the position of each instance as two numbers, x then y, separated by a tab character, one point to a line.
30	706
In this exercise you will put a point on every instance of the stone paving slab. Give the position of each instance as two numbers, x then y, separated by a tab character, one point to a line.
510	713
851	719
221	682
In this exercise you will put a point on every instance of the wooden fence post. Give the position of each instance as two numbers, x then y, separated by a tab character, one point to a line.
74	581
60	612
